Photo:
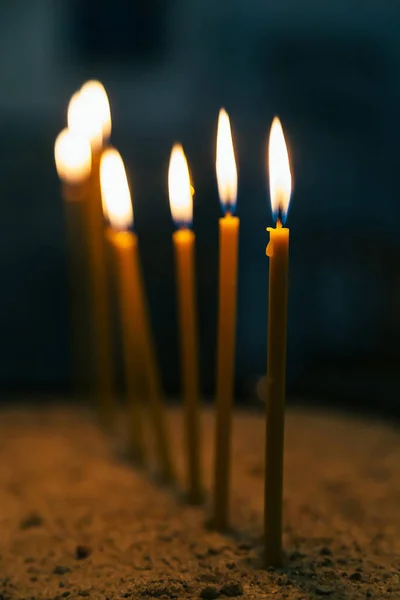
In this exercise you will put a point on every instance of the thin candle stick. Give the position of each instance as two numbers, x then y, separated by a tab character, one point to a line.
73	162
278	252
184	254
181	202
141	355
102	341
75	219
156	401
122	245
228	259
89	114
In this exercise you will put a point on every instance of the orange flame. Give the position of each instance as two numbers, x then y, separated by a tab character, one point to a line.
225	163
180	191
280	178
73	157
115	194
89	113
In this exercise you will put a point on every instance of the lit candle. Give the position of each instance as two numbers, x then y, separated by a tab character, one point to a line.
118	207
278	251
73	162
180	197
89	115
228	258
137	342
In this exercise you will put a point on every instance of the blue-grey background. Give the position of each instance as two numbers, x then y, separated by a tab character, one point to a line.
331	71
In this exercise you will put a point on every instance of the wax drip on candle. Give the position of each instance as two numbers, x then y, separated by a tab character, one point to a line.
269	249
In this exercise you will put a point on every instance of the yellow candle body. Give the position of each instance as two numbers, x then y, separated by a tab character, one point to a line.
228	258
75	197
124	245
278	251
145	349
184	255
99	300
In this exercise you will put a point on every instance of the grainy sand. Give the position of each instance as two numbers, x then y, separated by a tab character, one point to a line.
77	521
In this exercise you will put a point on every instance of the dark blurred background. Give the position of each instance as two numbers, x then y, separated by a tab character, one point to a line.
332	74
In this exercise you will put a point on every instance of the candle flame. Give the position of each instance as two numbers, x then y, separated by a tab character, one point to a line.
280	178
73	157
89	113
180	191
96	94
225	163
115	194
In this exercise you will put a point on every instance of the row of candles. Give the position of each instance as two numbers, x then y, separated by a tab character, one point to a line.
96	193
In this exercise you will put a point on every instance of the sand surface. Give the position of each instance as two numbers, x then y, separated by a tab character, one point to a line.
77	521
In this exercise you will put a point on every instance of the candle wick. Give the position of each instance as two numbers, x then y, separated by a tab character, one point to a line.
279	217
228	209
